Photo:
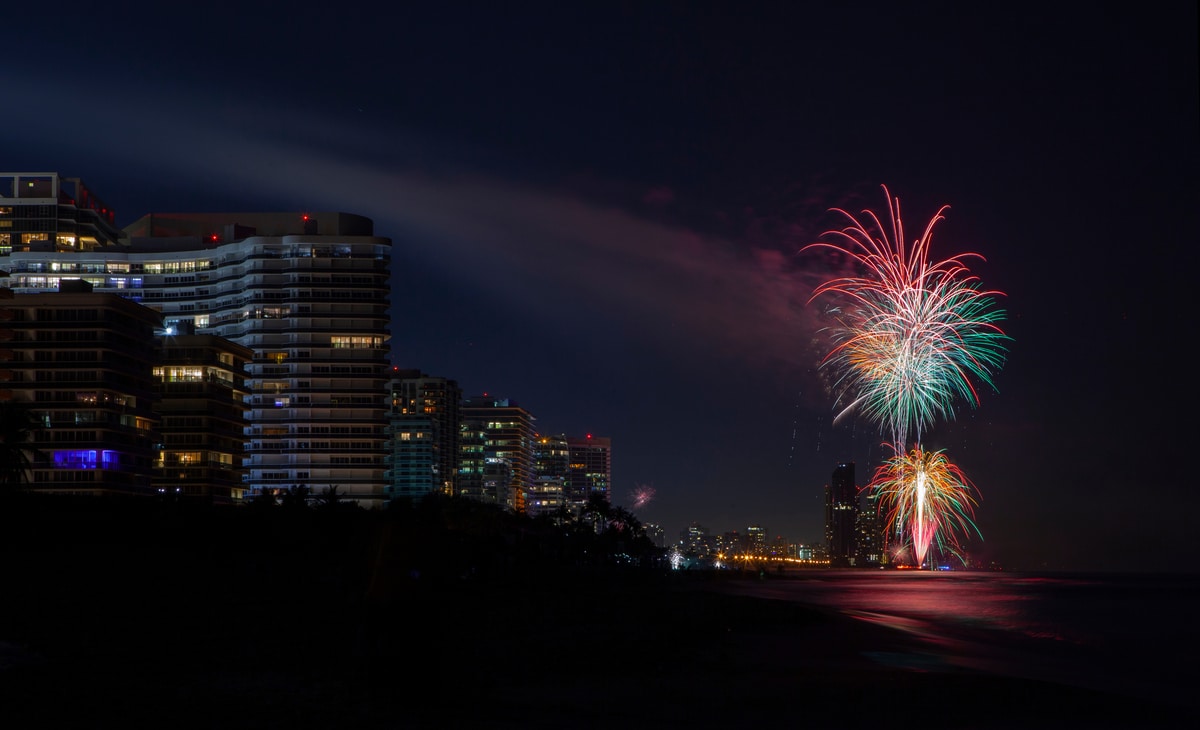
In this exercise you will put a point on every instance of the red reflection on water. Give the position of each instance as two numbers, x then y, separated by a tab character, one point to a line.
1101	632
981	600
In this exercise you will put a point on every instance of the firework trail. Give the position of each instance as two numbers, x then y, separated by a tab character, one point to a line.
911	337
642	495
913	333
929	495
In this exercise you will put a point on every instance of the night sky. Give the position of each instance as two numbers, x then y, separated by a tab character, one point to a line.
597	211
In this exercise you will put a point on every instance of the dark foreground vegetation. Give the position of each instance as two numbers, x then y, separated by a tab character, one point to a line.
447	614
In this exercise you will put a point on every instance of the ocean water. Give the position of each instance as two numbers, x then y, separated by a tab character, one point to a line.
1129	634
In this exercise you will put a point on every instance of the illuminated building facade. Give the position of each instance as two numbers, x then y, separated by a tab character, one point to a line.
733	543
83	361
781	548
496	452
869	533
697	540
590	470
307	293
551	459
756	539
424	427
841	515
43	212
200	383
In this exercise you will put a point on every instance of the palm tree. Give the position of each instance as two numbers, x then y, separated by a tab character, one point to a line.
597	512
296	497
331	500
16	454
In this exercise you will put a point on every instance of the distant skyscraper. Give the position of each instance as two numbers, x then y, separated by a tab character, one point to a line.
496	447
308	293
841	511
590	469
696	539
551	460
756	536
424	426
733	543
869	533
781	548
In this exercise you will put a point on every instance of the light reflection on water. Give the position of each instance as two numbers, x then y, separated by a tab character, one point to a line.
1125	633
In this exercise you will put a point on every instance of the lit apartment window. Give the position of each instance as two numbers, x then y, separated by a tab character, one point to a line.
86	459
346	341
179	374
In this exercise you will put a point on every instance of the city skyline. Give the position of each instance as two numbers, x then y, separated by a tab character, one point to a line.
36	268
598	213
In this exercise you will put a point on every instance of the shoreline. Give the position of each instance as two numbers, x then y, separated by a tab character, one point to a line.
528	653
246	620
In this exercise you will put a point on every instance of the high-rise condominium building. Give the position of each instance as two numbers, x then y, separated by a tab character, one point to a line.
551	466
696	539
82	363
590	470
424	425
869	533
841	515
307	293
756	536
200	387
41	211
497	447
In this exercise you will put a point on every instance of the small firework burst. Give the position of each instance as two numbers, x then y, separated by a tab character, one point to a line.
642	495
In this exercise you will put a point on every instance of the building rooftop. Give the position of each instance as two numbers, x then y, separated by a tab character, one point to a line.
229	227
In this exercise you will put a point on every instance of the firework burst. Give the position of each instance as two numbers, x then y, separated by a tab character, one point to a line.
912	336
914	333
642	495
931	497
